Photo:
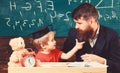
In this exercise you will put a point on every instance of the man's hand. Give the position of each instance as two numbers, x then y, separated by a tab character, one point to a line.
92	57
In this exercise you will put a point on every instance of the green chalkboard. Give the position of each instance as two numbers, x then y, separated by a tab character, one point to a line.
22	17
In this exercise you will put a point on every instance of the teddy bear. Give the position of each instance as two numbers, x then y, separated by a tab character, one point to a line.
18	47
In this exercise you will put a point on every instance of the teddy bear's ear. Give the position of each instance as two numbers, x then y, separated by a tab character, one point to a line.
11	42
20	38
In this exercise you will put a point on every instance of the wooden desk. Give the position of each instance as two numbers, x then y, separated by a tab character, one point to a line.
62	68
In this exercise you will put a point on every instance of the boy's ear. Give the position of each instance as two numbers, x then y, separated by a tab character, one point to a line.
42	45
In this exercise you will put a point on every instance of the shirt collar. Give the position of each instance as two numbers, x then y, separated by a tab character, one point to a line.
96	35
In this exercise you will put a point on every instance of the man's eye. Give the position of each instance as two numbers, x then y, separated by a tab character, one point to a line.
79	23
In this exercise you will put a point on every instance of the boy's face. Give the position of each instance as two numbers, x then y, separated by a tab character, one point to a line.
51	43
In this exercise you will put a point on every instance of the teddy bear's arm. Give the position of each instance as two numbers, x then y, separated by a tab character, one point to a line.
14	58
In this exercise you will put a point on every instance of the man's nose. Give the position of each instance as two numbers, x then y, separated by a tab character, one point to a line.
76	25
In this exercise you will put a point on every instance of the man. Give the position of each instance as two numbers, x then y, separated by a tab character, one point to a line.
101	43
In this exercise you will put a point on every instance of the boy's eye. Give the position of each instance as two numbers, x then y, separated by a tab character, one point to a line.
52	40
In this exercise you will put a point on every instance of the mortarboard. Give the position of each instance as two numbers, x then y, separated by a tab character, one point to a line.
40	32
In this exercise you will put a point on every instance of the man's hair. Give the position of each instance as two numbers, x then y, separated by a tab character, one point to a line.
85	10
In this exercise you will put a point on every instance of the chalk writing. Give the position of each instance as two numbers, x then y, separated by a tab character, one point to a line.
80	1
106	6
66	15
12	5
50	5
27	7
53	14
40	6
23	23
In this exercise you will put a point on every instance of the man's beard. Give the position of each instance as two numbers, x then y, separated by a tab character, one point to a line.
85	35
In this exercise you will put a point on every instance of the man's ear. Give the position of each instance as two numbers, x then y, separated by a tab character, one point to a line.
91	20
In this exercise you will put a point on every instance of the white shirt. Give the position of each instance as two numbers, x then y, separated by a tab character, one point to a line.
93	41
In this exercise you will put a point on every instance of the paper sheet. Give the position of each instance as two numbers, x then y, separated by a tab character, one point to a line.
86	64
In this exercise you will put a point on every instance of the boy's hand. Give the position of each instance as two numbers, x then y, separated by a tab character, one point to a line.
79	45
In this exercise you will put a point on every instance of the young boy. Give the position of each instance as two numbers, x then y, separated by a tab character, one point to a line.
46	45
